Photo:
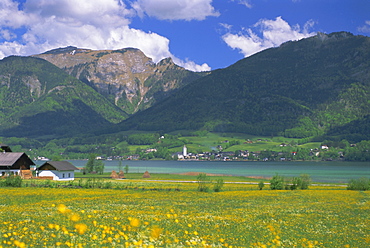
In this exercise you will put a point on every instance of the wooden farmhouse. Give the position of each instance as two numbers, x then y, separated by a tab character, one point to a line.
15	163
5	148
57	170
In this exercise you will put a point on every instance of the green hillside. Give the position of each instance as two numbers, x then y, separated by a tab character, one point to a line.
305	88
39	99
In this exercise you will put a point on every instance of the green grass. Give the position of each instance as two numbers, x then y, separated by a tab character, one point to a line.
212	140
148	214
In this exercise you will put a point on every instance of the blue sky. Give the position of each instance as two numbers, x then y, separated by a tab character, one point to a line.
197	34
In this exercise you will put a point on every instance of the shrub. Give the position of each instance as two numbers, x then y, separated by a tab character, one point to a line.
217	186
13	181
277	182
292	184
261	185
304	181
362	183
203	182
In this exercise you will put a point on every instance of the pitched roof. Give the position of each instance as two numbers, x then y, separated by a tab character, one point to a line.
58	165
5	148
9	158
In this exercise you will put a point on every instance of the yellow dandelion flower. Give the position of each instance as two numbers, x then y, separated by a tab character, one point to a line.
19	244
81	228
74	217
156	232
63	208
134	222
190	225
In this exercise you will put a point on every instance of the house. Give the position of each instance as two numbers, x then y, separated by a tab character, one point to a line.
13	163
5	148
57	170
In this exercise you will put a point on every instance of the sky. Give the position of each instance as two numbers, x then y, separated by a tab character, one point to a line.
199	35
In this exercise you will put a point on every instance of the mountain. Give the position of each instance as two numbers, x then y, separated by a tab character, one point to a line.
37	99
314	88
311	87
126	77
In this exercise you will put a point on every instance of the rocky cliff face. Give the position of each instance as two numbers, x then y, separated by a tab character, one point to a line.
127	77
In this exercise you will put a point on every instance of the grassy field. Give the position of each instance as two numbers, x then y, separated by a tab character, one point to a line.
260	143
142	213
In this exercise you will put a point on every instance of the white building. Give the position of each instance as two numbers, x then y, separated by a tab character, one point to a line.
184	151
57	170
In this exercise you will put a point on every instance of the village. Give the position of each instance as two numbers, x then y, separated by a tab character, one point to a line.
242	155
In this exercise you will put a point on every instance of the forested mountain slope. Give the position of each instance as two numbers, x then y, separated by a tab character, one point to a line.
300	89
39	99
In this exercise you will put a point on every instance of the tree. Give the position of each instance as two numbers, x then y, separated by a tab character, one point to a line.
277	182
261	185
57	158
89	167
94	165
203	182
99	166
119	165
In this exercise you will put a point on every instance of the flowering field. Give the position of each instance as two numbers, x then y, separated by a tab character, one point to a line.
240	216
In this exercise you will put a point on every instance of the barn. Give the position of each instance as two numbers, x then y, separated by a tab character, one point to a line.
57	170
14	163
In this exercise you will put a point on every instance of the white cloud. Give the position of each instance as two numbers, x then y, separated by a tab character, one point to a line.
246	3
93	24
273	32
176	10
191	65
365	28
11	17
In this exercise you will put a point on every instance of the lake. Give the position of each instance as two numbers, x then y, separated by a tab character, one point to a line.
336	172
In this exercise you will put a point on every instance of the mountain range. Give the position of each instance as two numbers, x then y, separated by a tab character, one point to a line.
311	87
316	87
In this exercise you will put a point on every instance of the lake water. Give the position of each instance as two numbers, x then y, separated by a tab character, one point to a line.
338	172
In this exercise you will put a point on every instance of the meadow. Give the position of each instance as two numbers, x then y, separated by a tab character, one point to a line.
140	213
